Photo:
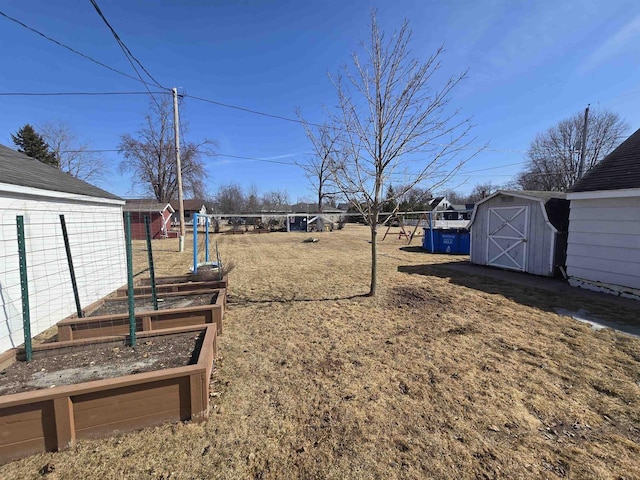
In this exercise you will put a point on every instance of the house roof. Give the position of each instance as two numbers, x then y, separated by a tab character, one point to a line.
457	206
19	169
145	205
619	170
275	209
194	205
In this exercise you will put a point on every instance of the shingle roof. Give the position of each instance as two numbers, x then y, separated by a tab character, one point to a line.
543	194
619	170
144	205
19	169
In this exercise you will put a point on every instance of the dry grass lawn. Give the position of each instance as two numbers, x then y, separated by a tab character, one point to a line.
442	375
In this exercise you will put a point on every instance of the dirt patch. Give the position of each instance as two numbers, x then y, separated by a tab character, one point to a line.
112	307
416	297
95	362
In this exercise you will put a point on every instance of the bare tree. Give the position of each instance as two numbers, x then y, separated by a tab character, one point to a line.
151	157
253	200
230	199
478	192
74	154
397	127
276	198
554	156
325	141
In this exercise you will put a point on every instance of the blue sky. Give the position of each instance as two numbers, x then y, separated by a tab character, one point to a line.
530	65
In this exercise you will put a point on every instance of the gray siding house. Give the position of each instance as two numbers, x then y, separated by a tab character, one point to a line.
603	251
520	230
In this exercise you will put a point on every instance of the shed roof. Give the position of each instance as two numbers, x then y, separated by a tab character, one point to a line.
555	205
145	205
545	196
619	170
22	170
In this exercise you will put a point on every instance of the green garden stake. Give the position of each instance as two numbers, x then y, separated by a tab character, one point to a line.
152	274
132	307
72	272
24	287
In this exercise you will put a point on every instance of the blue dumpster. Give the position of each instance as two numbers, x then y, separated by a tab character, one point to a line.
455	241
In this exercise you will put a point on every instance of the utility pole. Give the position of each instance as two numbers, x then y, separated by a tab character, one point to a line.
583	149
176	131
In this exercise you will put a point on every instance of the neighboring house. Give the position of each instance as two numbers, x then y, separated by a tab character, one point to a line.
603	251
190	207
159	215
438	204
521	230
40	194
458	212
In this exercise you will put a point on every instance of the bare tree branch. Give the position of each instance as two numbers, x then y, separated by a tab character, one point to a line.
75	155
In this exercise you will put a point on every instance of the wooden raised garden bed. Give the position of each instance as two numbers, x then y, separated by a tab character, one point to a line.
54	418
174	284
94	326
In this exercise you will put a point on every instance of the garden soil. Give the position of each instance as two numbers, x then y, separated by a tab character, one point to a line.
95	362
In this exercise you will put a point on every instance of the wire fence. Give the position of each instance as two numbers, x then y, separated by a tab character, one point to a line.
96	242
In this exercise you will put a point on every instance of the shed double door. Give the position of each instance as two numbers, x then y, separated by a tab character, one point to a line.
507	237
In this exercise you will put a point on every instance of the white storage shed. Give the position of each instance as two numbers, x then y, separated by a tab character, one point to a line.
520	230
41	194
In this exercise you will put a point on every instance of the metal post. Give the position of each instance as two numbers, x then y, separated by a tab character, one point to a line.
72	272
433	246
152	271
206	240
132	305
219	262
176	131
24	287
195	243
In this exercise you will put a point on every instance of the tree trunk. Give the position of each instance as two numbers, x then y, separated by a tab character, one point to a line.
319	222
374	260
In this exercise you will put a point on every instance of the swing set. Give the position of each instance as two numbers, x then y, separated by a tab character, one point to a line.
425	218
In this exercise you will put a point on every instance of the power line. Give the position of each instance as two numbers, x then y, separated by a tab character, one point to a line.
255	159
61	94
203	152
73	50
294	120
244	109
127	53
491	168
249	110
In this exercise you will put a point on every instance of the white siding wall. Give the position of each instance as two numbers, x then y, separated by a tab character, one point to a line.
604	243
97	244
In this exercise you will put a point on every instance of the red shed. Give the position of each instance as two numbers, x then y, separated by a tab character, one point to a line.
159	215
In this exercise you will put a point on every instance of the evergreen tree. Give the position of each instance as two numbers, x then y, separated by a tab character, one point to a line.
390	201
32	144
